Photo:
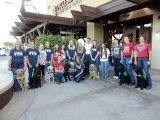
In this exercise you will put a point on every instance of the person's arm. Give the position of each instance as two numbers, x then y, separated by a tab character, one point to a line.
9	63
132	54
25	62
75	54
98	53
80	73
149	62
121	57
37	64
67	51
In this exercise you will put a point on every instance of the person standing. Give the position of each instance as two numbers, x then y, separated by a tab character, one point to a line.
49	52
17	60
94	55
87	58
81	52
105	53
126	58
116	53
32	58
143	58
71	51
42	62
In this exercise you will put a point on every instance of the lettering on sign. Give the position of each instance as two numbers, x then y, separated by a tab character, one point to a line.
64	6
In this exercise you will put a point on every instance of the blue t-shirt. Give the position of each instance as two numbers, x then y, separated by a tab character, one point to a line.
17	57
81	53
49	52
94	51
79	67
71	50
116	51
32	54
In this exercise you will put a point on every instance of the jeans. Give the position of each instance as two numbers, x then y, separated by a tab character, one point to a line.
127	68
87	60
116	66
60	76
78	78
105	65
142	62
15	84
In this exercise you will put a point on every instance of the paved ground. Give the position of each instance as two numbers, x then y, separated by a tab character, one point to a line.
89	100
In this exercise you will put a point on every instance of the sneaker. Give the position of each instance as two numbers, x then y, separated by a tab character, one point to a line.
114	77
148	87
98	77
132	83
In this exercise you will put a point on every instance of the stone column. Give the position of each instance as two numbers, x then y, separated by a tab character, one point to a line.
155	60
95	32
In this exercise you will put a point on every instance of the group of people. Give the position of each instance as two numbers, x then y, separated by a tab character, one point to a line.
81	55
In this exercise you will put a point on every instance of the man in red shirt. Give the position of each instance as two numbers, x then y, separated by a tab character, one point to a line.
59	71
143	58
126	58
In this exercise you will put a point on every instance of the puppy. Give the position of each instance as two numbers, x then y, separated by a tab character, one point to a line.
92	71
35	81
66	72
123	76
21	79
141	79
50	73
72	71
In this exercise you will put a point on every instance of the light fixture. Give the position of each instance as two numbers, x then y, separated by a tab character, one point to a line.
138	27
148	25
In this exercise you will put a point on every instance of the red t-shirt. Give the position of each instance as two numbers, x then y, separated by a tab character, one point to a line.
56	54
58	66
143	50
127	49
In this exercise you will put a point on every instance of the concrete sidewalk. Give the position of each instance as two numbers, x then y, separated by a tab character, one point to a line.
89	100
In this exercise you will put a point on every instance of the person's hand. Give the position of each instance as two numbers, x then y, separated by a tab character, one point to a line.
130	61
36	65
121	61
135	62
30	66
9	68
148	63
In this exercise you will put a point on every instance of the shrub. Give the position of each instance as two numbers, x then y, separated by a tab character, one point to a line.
53	39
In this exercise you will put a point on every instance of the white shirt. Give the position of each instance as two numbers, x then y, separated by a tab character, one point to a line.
104	58
81	41
42	57
88	48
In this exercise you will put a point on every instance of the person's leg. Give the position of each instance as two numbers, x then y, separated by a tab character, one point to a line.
129	71
146	70
42	72
78	79
30	71
106	64
117	66
15	84
102	67
62	79
97	66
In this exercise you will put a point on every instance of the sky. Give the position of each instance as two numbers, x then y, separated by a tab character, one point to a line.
9	9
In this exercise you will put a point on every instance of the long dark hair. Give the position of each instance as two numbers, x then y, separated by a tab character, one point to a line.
105	50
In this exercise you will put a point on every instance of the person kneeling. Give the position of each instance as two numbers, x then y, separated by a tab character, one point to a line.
59	71
78	72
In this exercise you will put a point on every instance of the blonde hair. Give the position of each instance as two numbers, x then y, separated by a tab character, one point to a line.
41	46
18	42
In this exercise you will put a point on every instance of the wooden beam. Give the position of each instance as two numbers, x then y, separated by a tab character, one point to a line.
138	1
35	28
89	11
23	26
